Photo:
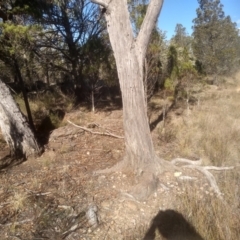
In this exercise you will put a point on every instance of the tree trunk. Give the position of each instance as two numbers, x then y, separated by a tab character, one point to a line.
25	97
15	128
129	54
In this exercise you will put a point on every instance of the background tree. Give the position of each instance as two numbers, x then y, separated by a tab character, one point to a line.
15	40
154	63
215	38
69	25
181	37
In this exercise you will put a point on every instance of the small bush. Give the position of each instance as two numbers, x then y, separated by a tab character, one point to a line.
168	84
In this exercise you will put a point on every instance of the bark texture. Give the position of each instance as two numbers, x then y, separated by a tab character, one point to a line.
15	128
129	54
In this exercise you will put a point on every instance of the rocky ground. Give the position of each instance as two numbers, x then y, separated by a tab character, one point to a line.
60	196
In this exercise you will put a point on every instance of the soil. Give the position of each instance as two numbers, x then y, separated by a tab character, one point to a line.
60	196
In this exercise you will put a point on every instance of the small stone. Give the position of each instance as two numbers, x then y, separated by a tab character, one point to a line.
177	174
187	178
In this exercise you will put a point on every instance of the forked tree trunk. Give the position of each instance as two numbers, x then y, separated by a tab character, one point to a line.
15	128
129	54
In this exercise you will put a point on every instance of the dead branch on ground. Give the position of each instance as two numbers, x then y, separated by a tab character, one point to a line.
97	133
203	169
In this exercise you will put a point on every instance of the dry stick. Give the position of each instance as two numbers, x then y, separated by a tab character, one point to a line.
184	160
31	192
37	193
72	229
210	178
4	204
107	129
19	222
98	133
204	170
218	168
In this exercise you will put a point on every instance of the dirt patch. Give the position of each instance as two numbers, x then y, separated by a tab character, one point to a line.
53	193
58	196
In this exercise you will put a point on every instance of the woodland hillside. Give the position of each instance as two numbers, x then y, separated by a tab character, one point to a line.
109	130
48	197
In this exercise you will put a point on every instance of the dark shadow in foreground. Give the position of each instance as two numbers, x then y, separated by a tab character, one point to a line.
172	226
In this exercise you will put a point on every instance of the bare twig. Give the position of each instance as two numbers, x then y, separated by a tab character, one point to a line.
204	170
184	160
37	193
101	3
98	133
4	204
218	168
72	229
18	223
210	178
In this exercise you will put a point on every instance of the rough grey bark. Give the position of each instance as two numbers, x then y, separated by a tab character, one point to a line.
14	126
129	54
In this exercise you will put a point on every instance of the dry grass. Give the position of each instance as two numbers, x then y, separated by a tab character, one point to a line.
211	131
48	109
213	218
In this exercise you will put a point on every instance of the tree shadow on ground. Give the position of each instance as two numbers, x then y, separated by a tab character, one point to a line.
46	126
8	161
172	226
154	123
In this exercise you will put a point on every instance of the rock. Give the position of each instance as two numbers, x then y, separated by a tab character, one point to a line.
91	215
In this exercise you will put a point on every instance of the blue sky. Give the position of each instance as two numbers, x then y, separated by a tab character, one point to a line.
177	11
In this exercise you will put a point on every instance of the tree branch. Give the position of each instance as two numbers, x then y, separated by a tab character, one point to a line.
210	178
148	25
98	133
203	169
184	160
101	3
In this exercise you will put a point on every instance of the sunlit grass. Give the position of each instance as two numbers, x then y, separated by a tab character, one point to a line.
211	132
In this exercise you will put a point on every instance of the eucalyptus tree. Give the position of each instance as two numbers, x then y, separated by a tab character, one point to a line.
154	61
215	37
181	37
130	52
